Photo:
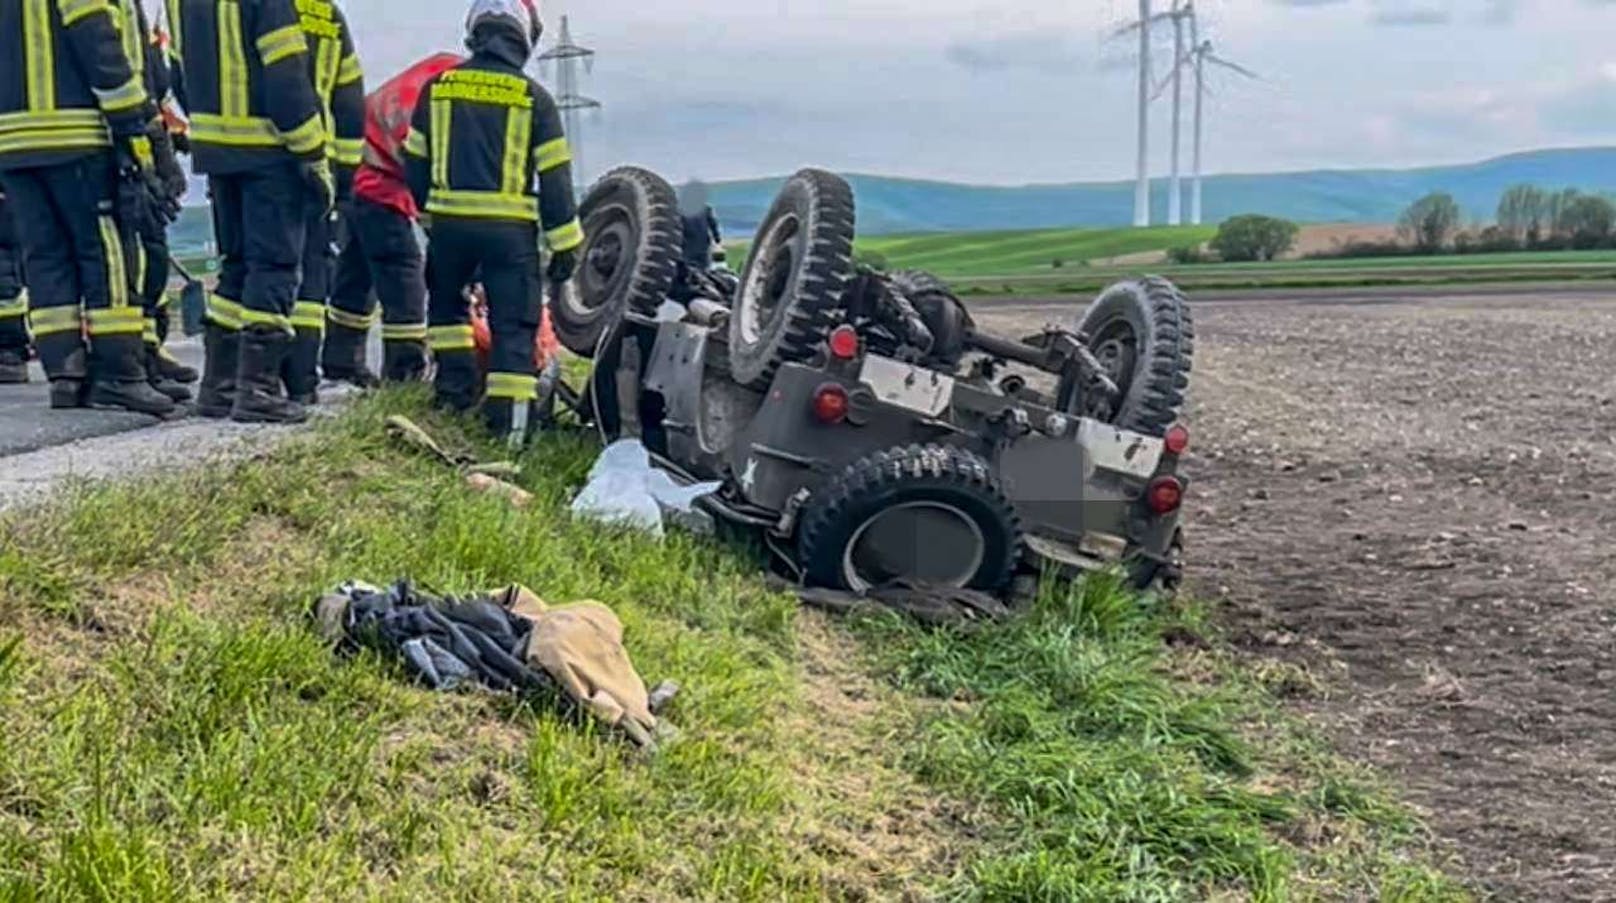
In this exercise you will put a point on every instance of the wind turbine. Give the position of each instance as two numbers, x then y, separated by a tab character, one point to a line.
1200	54
1182	9
1143	25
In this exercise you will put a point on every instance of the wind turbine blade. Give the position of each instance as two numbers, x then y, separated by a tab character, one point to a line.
1123	31
1216	60
1167	80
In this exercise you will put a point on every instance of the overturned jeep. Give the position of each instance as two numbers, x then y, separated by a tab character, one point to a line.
862	421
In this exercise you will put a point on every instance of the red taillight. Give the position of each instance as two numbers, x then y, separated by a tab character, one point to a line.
830	403
844	343
1177	440
1165	495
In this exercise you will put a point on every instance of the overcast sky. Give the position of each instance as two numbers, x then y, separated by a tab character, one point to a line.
1013	91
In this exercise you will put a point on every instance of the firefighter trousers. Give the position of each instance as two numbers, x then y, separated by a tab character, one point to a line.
13	297
381	260
76	256
151	275
260	220
504	257
301	366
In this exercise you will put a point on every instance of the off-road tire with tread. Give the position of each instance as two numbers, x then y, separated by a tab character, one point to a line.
638	212
874	484
1154	392
944	313
917	282
821	203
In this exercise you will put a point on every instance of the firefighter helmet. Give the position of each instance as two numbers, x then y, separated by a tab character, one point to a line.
521	15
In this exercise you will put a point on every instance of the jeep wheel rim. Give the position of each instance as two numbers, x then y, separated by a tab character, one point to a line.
768	278
930	543
606	260
1116	347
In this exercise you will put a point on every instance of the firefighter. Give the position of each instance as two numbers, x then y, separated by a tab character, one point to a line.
381	257
339	84
258	133
74	159
149	255
13	304
480	134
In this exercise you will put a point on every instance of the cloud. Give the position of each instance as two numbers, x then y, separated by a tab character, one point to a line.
1018	50
1396	13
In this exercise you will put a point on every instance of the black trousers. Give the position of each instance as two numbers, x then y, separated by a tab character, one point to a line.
76	255
380	260
151	275
13	299
260	219
319	265
504	257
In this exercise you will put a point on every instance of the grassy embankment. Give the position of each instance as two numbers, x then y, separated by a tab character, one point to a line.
1025	263
173	730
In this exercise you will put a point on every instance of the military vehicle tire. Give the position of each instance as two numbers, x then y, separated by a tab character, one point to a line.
632	243
928	514
800	264
1143	334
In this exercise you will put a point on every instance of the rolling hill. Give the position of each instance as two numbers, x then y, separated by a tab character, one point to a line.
892	205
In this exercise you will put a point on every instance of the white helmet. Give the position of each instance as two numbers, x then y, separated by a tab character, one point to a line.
522	15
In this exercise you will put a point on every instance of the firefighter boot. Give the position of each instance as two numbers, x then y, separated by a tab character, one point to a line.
509	421
300	367
455	388
217	394
404	361
343	359
13	367
68	384
258	379
171	369
154	375
118	378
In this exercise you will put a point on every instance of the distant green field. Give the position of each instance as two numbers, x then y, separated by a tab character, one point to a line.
1026	253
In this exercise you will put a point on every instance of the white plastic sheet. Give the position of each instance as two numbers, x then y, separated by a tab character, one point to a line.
624	489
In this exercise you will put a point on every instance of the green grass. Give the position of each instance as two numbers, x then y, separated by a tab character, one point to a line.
1025	253
174	731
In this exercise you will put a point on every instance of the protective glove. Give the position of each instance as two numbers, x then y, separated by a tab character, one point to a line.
136	203
562	265
166	163
182	142
322	188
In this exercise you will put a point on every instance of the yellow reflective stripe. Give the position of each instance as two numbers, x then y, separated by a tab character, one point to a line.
250	317
148	332
233	102
176	21
552	154
237	131
140	255
442	119
513	386
309	315
403	332
286	41
308	137
133	41
224	312
34	120
415	144
515	177
74	10
347	151
325	69
349	72
350	320
38	45
112	249
483	205
565	238
127	96
52	320
451	338
115	321
27	141
14	307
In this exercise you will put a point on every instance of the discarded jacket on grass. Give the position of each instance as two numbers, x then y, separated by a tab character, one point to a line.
508	641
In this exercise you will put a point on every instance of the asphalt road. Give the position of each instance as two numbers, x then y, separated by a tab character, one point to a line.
27	424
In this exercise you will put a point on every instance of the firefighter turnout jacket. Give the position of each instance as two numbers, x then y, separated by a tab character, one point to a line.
337	77
480	134
243	78
66	86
